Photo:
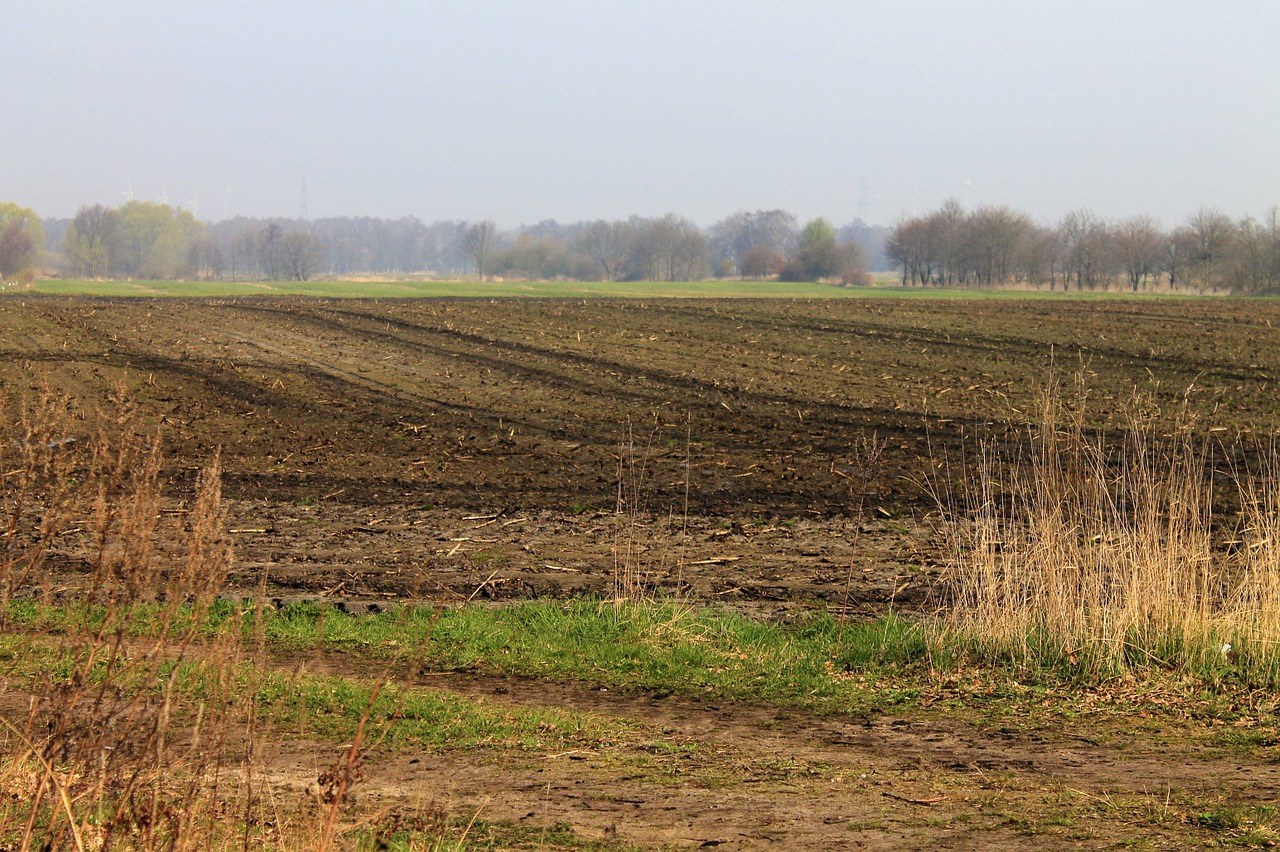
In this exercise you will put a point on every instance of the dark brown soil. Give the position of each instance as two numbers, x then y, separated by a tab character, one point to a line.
763	454
456	448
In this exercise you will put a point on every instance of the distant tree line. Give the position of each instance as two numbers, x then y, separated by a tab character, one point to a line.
154	241
996	246
949	247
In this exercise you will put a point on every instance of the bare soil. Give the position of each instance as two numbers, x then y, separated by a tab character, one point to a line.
378	451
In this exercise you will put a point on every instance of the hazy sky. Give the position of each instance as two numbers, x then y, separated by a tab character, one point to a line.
584	109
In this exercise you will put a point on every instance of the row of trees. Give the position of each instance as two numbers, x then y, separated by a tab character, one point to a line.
951	247
991	246
154	241
147	240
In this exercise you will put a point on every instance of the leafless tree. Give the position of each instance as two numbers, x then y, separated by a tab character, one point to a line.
910	247
760	262
478	242
996	235
670	248
607	244
1179	253
947	227
301	255
1087	253
1037	257
1139	244
270	256
1213	234
734	237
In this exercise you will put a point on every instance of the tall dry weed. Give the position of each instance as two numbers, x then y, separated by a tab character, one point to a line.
643	554
1096	547
126	736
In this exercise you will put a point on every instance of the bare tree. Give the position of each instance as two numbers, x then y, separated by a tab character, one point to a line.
87	245
1179	251
733	237
1086	249
1139	244
995	236
606	243
947	237
761	262
668	249
270	257
300	255
1037	257
478	243
1213	234
909	246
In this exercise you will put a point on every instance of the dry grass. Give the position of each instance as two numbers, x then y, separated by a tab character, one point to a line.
111	751
1105	551
124	737
648	547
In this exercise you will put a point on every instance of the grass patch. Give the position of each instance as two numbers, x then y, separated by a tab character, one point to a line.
397	833
400	717
655	645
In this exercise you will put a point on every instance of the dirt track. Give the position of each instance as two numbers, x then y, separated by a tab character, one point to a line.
720	774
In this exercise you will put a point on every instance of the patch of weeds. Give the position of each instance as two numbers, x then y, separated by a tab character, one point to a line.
481	835
1246	738
1222	818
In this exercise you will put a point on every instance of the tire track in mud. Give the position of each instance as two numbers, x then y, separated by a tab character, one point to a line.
209	373
826	432
761	410
1014	346
349	380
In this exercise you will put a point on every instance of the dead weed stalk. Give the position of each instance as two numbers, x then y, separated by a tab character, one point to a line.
1097	550
642	552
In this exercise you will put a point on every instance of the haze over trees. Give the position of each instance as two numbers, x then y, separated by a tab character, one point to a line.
990	246
147	240
1082	252
21	238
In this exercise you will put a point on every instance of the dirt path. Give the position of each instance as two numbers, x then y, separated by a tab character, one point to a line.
728	775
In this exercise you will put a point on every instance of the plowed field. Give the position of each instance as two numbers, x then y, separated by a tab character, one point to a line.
391	449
